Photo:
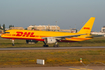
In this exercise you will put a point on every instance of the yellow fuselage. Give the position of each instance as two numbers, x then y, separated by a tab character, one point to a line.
38	35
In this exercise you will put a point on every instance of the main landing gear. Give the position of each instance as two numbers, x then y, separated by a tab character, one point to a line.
45	44
55	45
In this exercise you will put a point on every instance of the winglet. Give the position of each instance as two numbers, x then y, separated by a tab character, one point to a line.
86	29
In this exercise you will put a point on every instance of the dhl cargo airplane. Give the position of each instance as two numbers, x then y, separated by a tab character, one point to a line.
50	36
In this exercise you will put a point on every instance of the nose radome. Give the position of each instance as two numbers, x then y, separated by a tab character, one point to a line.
2	35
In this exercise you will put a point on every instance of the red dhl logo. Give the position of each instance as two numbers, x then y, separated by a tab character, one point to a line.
86	28
25	34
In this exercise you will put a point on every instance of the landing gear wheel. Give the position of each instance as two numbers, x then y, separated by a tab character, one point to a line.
13	45
45	46
56	45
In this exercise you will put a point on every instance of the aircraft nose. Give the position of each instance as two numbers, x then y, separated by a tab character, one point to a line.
2	35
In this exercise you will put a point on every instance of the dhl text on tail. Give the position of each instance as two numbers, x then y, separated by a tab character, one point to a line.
52	37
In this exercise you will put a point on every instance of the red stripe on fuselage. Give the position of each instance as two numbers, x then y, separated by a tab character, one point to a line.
24	38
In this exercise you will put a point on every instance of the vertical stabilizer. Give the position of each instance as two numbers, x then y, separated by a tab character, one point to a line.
86	29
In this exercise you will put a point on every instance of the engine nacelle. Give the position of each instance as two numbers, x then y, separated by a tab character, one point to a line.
50	40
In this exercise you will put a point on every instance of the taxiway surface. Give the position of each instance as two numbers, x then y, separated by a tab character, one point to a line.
42	48
58	68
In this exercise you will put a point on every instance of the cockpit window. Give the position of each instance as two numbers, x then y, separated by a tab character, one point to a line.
7	32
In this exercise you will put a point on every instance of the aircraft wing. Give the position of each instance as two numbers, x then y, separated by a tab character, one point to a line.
69	36
62	37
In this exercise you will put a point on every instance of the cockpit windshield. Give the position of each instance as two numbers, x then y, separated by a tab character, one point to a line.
7	32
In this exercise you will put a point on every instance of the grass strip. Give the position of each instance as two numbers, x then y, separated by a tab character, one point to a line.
66	57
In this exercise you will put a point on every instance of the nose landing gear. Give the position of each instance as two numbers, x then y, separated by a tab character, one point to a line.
13	42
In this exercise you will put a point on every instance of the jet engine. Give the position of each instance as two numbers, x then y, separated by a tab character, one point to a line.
50	40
